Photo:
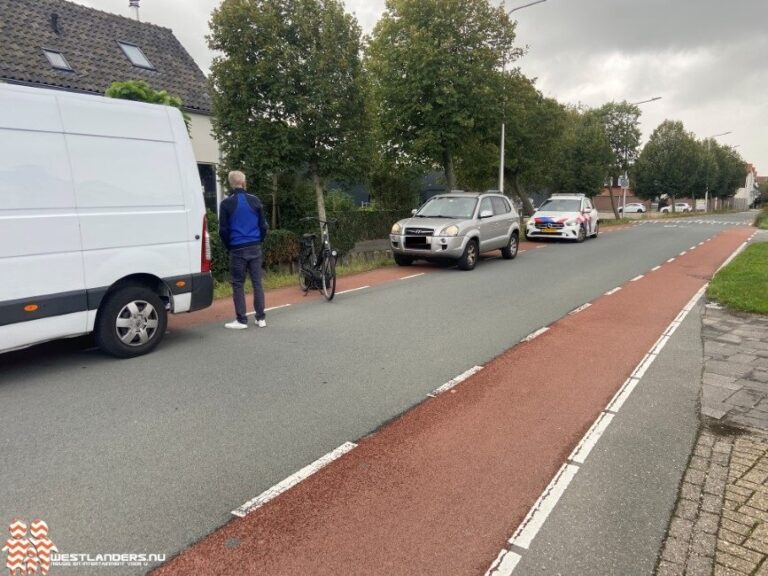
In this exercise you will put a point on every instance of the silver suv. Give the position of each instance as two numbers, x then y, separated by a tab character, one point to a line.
457	226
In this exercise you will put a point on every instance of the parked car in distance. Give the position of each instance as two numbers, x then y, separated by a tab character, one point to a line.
457	226
632	207
566	216
679	207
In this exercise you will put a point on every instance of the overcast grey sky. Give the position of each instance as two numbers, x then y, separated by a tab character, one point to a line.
705	58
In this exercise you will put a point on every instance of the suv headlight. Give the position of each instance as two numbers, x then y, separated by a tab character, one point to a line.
451	230
396	228
572	223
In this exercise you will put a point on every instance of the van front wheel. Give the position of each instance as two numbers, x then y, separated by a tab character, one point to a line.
132	322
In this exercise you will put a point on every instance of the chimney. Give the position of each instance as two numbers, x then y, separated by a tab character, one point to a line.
134	6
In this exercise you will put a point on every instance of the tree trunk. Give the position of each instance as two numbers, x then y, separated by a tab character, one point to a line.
318	182
519	191
450	174
274	201
613	203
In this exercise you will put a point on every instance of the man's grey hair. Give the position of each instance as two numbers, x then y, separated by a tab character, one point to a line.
236	179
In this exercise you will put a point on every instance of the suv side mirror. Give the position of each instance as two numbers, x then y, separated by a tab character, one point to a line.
486	214
413	212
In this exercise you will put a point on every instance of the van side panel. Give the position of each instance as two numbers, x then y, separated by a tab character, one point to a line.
40	248
128	191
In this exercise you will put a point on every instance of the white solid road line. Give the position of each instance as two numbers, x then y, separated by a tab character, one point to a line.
292	480
509	557
611	292
451	383
541	510
269	309
413	276
352	290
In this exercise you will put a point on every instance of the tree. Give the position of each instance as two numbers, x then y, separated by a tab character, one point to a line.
533	127
584	154
621	124
434	65
731	171
250	120
670	163
140	91
289	89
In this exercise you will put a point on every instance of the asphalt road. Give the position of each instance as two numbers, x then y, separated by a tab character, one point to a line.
148	455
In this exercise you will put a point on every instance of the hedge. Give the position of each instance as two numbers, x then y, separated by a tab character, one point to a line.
282	246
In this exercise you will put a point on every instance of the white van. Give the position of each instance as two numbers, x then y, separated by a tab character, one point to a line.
102	220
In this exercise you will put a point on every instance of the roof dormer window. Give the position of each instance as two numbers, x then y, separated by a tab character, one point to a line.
57	60
136	56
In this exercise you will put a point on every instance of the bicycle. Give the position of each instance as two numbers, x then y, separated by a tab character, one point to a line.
317	267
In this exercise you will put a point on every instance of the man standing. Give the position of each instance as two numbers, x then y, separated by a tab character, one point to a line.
242	228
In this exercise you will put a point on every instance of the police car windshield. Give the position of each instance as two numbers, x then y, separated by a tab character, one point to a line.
448	207
561	205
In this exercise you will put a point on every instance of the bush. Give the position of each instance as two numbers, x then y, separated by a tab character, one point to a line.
362	225
280	247
220	266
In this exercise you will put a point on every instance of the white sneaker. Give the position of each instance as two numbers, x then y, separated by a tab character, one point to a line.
235	325
261	323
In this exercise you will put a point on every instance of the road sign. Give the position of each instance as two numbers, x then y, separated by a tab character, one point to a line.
623	182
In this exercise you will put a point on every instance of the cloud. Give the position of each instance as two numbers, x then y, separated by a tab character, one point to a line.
704	57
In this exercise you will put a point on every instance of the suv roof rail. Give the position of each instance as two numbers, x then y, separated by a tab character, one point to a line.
579	194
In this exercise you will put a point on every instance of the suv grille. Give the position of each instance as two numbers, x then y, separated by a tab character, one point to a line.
419	231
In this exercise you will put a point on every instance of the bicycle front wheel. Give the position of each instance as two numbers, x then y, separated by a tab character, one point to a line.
329	277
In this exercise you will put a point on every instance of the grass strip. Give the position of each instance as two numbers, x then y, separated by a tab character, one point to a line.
743	284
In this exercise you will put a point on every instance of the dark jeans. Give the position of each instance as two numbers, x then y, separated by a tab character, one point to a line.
243	261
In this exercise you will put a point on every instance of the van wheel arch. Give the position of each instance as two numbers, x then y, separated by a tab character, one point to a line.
140	298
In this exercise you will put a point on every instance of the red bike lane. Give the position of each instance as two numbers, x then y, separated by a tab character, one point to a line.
439	490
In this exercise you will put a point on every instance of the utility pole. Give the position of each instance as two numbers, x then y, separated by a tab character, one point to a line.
504	107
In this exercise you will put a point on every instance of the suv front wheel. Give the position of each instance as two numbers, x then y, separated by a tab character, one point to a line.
468	259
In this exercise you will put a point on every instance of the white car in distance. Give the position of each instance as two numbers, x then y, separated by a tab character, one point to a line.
632	207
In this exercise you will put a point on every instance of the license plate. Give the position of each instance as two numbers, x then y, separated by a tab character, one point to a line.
549	230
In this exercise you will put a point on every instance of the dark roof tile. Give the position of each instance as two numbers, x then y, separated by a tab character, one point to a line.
88	39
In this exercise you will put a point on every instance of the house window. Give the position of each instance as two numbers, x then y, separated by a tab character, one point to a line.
57	60
136	56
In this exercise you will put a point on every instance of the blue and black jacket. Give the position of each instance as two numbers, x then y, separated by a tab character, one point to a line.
241	220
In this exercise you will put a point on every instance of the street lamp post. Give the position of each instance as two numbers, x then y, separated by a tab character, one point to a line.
504	112
706	191
625	182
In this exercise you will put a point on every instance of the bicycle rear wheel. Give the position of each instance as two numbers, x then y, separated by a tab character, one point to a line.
305	279
329	277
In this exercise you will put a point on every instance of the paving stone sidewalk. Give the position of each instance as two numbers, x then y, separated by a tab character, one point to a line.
720	524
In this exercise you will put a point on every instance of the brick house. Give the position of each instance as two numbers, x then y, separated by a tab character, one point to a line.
61	45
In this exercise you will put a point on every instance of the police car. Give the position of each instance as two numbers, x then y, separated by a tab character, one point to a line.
566	216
